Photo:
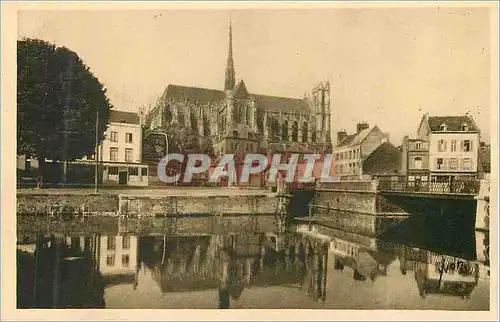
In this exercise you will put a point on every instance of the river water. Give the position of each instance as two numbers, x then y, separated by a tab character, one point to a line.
247	262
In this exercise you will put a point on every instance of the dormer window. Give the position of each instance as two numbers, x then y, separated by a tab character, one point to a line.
443	127
465	127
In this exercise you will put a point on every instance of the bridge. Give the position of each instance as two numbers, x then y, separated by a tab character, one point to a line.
451	189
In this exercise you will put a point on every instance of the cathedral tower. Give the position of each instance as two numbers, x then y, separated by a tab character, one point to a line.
230	74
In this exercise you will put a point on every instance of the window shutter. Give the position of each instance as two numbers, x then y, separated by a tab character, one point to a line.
444	146
470	145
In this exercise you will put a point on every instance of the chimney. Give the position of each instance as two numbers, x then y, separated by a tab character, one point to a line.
341	135
361	126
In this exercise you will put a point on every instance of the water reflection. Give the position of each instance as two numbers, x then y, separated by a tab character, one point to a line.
307	267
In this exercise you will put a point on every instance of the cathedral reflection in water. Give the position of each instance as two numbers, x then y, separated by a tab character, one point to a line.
97	270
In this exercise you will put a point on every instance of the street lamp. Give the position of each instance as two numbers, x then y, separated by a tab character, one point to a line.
96	151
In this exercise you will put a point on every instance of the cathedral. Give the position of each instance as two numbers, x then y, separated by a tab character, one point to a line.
237	121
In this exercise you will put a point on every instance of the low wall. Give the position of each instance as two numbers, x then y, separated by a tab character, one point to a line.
361	202
46	204
111	204
190	204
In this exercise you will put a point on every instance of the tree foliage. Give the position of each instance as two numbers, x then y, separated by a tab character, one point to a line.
57	101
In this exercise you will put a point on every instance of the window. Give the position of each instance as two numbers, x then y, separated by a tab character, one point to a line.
126	242
439	163
128	137
467	145
125	260
453	164
443	127
336	156
110	260
113	137
465	128
453	145
235	134
466	164
132	171
441	145
418	163
90	157
341	155
418	145
113	154
346	156
144	171
113	170
128	155
111	243
350	154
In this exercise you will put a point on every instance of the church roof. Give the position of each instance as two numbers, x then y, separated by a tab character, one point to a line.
240	90
193	94
285	104
265	102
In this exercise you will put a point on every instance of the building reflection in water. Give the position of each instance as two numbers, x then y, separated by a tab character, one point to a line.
439	274
74	271
59	272
233	263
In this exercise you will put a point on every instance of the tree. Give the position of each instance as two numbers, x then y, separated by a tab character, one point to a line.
57	102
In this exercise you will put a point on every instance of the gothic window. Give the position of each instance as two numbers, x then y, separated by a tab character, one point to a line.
275	128
194	122
260	122
181	119
304	132
168	114
249	115
237	113
284	131
206	126
295	132
235	134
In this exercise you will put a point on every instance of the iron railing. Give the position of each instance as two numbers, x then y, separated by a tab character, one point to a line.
448	187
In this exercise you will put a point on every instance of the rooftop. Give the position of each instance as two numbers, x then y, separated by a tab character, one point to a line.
354	139
207	95
453	123
124	117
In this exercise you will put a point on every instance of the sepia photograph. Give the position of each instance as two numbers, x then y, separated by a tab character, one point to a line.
231	157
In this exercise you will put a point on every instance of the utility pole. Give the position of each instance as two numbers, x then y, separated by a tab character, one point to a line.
96	151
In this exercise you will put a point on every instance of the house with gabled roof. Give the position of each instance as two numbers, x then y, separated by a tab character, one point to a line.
351	151
453	146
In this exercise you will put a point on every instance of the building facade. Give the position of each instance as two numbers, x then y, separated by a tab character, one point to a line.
415	161
120	153
351	151
233	120
453	146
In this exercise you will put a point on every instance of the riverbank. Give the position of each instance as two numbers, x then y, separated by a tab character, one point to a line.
146	202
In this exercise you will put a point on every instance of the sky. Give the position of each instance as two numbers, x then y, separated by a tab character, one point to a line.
386	66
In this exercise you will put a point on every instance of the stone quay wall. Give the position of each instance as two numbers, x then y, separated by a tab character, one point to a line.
186	205
144	205
49	204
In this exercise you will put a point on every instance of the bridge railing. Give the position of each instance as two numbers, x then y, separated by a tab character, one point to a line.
448	187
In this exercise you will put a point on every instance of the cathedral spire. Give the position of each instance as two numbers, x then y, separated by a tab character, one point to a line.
230	75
